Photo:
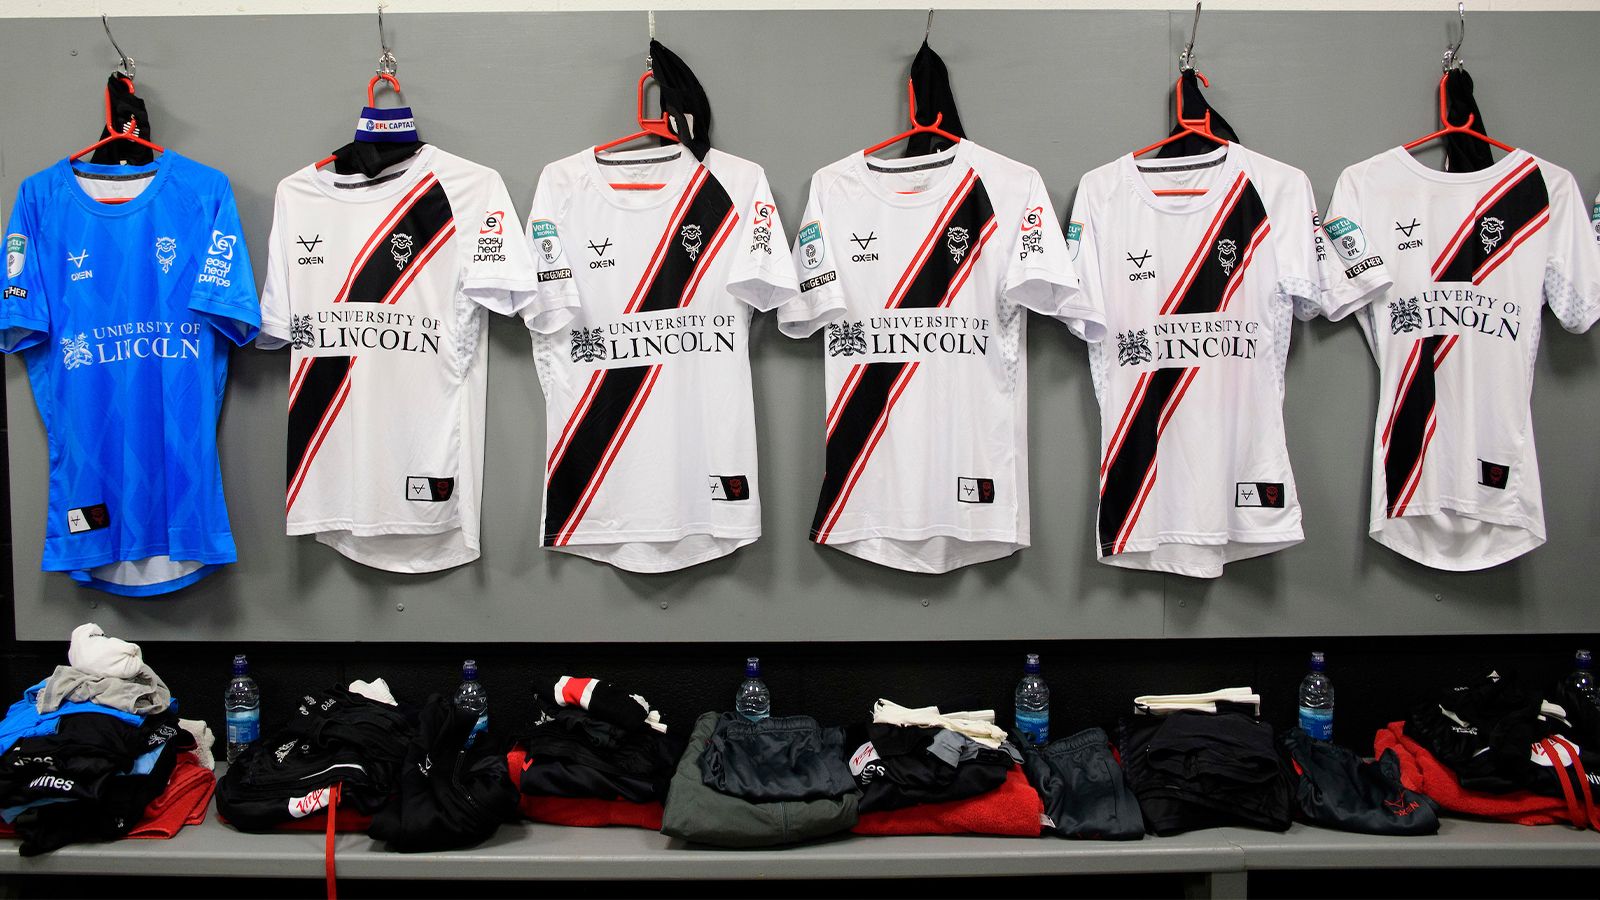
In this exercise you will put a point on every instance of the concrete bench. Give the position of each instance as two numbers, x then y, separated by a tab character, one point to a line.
1216	859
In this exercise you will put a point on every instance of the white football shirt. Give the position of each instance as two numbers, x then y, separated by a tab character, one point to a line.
1199	294
379	285
1447	273
934	260
651	449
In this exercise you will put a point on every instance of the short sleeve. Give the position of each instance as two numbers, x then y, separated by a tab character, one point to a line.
1041	275
554	300
1300	251
1087	316
276	310
1353	271
821	298
500	272
762	274
25	306
1572	272
225	288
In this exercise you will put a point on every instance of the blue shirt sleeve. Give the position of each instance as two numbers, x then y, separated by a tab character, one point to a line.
225	289
24	305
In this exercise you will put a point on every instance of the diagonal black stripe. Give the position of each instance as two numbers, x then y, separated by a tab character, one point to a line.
316	394
1409	431
618	388
1522	203
1231	243
962	233
1126	473
851	433
429	214
711	204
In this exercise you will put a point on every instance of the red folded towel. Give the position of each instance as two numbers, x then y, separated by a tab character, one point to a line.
1012	808
583	812
1420	771
183	803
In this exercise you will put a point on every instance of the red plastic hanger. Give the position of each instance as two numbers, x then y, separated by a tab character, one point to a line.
115	135
1200	126
1463	128
651	127
372	99
916	127
126	74
387	67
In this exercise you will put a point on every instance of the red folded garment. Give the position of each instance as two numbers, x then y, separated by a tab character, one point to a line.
583	812
1420	771
590	813
183	803
1012	808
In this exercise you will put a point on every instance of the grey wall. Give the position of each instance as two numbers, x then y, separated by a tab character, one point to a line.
1064	91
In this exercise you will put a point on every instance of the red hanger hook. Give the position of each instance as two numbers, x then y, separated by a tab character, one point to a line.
373	84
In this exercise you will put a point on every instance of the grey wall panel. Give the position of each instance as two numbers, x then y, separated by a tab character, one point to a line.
1063	91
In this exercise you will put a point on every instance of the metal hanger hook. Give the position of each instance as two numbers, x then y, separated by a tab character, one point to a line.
127	62
386	62
1452	53
1186	58
929	30
649	62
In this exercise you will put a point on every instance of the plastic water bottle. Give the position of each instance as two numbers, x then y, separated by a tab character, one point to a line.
243	703
472	698
1316	701
1033	703
753	701
1583	679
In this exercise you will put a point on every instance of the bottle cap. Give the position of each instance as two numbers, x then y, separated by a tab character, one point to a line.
1318	664
1584	660
752	667
240	665
469	670
1032	665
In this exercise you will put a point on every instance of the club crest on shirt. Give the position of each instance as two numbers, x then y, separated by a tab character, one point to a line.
1491	231
301	332
400	248
846	338
955	240
75	351
1133	347
691	240
588	345
166	252
1227	255
1404	315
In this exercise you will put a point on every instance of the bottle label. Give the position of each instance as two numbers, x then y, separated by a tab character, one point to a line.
244	725
1035	725
1317	722
480	726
